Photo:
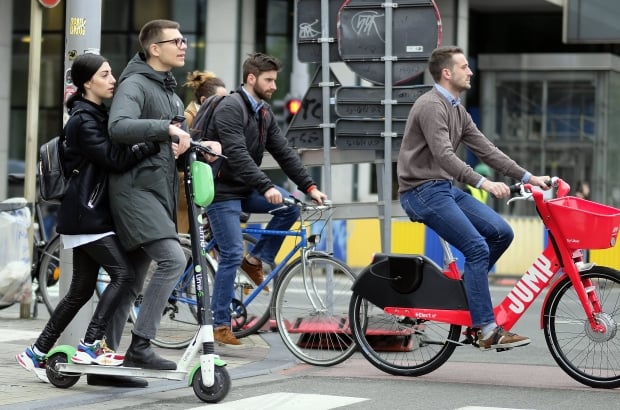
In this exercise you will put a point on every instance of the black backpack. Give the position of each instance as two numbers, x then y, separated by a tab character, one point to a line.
198	130
200	125
53	182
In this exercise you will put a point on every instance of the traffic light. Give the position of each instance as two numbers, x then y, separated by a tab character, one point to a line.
292	106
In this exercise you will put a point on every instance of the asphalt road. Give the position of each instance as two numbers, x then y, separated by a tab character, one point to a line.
523	378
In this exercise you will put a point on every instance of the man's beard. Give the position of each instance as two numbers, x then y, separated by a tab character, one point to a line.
262	95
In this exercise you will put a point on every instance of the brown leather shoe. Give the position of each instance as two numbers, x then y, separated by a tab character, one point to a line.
502	340
223	335
255	272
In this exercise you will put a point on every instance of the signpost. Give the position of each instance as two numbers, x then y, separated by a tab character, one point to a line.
82	35
384	42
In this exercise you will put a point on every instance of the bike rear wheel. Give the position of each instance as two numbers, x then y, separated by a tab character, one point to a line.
49	272
248	318
399	345
311	310
587	356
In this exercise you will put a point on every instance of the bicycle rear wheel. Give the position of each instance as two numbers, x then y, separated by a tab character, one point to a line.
49	273
587	356
399	345
311	310
248	318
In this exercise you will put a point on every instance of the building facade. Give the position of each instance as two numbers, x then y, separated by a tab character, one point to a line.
553	119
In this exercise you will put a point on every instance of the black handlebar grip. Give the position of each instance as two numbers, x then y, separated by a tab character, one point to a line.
515	188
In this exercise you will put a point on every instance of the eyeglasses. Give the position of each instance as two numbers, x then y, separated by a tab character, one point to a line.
177	41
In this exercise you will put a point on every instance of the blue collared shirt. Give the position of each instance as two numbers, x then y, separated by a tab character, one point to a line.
449	97
256	106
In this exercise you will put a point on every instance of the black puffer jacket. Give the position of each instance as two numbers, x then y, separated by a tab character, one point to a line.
245	144
89	155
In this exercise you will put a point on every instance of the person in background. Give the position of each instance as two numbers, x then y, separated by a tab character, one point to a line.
205	84
583	190
143	200
85	221
427	167
479	193
241	185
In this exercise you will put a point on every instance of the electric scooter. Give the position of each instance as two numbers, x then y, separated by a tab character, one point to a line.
209	378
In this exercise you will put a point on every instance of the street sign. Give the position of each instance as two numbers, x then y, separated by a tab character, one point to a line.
366	134
305	129
416	32
366	102
309	30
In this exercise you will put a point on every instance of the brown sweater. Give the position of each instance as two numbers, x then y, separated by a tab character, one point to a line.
433	132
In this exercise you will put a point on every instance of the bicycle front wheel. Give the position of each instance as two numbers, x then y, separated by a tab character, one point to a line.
49	273
311	308
400	345
588	356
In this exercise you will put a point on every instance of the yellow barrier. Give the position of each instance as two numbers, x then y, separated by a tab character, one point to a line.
363	239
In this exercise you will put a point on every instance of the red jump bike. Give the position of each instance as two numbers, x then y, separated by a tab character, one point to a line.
406	312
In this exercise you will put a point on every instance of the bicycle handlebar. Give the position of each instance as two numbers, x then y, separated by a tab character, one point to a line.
528	191
196	146
304	206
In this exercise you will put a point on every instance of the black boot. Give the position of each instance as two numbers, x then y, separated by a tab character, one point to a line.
115	381
141	355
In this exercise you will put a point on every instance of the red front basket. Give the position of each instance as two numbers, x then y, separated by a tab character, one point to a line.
585	224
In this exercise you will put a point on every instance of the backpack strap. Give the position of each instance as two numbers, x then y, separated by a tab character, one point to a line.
63	137
244	107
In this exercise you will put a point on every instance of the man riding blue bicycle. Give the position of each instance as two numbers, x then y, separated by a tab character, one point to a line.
241	186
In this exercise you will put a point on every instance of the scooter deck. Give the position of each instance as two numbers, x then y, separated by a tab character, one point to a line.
73	369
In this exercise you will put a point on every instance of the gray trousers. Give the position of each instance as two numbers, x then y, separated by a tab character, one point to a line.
169	264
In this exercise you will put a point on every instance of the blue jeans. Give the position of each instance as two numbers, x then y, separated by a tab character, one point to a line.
226	227
470	226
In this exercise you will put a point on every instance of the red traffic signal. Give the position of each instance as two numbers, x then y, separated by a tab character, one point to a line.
292	106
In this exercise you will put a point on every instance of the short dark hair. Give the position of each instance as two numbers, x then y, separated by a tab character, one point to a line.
441	58
257	63
151	32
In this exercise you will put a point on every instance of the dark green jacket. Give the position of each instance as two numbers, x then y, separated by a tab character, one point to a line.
143	199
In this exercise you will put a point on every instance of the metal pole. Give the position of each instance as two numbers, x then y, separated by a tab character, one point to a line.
82	35
387	150
32	125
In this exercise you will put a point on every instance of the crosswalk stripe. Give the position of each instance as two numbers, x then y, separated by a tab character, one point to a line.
286	401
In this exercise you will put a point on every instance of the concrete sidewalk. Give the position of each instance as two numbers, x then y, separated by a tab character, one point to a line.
20	389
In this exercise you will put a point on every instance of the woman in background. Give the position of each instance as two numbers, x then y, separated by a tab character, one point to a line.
205	84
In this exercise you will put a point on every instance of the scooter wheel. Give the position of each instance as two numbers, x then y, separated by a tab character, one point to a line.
58	379
215	393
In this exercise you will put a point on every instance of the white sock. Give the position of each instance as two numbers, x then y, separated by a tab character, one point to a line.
487	330
38	352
